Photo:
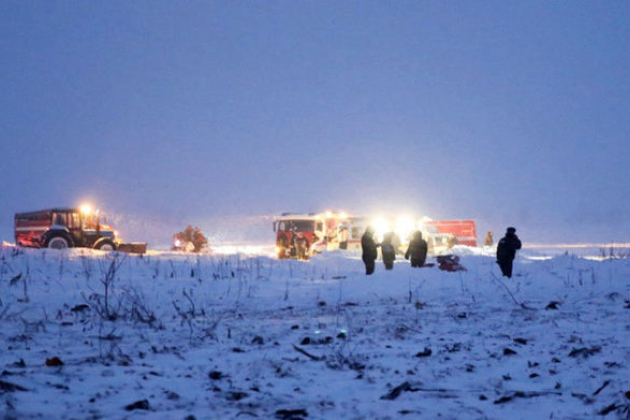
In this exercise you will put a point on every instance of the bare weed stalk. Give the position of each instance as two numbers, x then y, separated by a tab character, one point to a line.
102	303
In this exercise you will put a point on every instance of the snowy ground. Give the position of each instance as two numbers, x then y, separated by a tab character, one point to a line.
236	336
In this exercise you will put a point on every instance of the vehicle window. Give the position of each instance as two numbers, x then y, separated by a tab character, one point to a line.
90	222
59	219
75	220
319	227
299	225
282	226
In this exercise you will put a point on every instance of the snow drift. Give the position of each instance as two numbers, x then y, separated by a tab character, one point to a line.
89	334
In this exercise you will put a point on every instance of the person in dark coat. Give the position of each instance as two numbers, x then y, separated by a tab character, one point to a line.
506	251
343	237
417	250
388	252
369	245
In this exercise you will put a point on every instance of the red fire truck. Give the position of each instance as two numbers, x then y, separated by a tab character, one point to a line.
61	228
441	235
329	231
463	231
319	229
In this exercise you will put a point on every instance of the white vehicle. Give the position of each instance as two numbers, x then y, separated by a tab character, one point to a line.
439	243
356	229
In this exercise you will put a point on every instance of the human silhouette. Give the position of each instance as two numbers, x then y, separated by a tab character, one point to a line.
488	240
369	245
417	250
388	252
506	251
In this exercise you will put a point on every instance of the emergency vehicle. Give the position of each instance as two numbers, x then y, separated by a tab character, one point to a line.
356	229
329	231
61	228
464	232
441	235
319	229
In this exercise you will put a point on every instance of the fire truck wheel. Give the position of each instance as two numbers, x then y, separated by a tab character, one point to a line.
59	242
105	246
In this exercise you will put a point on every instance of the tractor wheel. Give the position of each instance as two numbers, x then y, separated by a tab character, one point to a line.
105	246
59	242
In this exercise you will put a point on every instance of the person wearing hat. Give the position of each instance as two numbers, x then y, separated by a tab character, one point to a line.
368	245
388	251
506	251
417	250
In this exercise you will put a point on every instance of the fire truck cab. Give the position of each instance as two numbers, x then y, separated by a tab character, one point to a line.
61	228
319	230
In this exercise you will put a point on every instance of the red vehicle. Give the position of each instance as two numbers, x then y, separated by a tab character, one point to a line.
319	230
64	228
441	235
463	231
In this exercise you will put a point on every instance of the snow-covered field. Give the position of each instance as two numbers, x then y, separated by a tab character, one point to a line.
86	334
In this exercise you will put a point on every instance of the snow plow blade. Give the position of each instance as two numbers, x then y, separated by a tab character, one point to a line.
133	248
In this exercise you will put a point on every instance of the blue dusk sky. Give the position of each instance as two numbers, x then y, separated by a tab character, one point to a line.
176	112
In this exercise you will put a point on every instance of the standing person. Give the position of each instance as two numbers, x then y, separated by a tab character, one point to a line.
388	252
368	245
488	240
292	246
302	245
417	250
506	251
343	236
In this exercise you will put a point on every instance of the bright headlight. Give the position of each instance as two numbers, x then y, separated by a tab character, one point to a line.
404	227
86	209
381	227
